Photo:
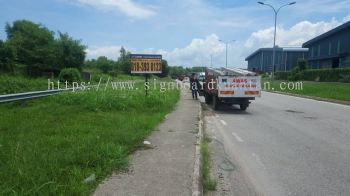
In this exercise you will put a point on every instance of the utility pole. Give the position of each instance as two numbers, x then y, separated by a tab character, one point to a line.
226	42
274	37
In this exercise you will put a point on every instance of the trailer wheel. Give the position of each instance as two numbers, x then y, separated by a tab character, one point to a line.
243	107
207	98
216	102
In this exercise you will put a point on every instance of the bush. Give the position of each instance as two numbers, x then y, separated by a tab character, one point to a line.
70	75
325	75
345	78
294	74
302	64
19	84
281	75
318	75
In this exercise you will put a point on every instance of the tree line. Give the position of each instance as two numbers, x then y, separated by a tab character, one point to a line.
122	65
32	49
176	71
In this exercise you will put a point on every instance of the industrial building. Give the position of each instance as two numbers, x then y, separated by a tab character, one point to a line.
285	59
331	49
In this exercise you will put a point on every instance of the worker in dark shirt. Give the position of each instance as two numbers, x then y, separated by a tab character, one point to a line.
194	84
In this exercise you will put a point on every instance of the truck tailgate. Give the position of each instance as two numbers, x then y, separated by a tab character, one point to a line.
239	86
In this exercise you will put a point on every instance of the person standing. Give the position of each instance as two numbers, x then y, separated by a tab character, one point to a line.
194	85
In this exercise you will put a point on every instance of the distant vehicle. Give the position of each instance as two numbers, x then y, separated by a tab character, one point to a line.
201	76
230	86
186	79
180	78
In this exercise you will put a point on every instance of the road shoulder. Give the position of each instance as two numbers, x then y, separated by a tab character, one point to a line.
166	168
230	177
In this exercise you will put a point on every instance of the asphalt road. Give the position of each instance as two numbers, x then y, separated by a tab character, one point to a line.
286	145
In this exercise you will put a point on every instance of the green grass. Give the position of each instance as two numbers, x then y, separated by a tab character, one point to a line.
104	77
208	183
336	91
17	84
49	146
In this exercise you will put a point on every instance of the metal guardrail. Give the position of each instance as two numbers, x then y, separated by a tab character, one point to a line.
30	95
38	94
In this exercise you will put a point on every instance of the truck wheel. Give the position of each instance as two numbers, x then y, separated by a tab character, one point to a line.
243	107
207	98
216	102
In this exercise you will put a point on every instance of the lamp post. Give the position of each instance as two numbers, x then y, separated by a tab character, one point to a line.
226	42
211	60
274	37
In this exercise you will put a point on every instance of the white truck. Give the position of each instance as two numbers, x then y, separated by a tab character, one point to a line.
230	86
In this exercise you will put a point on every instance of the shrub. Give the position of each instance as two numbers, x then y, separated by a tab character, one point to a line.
281	75
325	75
70	75
18	84
294	74
318	75
345	78
302	64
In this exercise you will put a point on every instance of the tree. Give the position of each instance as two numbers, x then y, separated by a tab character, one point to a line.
7	57
70	52
104	64
302	64
34	45
296	72
124	61
165	69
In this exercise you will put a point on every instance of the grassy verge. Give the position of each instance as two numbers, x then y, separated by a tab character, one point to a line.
208	183
104	77
18	84
336	91
49	146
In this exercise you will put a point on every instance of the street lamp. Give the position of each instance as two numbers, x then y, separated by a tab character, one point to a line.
211	60
274	37
226	42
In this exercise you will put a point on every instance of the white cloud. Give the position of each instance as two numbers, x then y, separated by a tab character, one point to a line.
112	52
294	36
199	51
128	7
346	19
196	53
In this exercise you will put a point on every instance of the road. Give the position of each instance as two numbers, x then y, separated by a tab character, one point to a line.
284	145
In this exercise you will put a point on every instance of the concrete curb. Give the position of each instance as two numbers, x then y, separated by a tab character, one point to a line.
311	97
197	187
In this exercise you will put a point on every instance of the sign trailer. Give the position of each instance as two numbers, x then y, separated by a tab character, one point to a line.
146	64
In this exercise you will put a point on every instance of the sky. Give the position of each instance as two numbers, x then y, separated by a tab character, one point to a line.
185	32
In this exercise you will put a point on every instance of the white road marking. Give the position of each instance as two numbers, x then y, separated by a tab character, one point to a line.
239	139
223	122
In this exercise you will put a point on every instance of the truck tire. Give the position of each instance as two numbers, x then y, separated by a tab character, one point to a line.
215	102
207	98
243	107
